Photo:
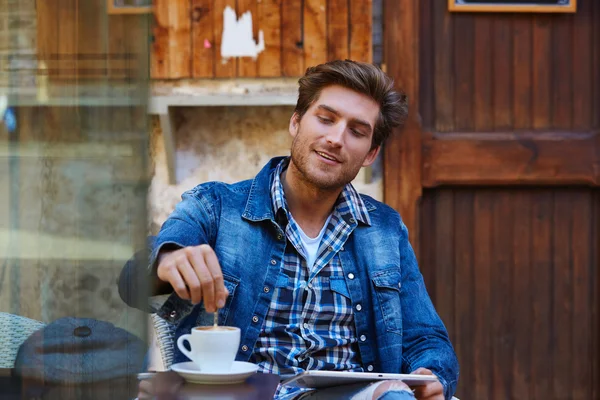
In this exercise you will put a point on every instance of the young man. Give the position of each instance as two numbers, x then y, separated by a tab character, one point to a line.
315	275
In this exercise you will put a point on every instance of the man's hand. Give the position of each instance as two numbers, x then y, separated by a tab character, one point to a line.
431	391
195	274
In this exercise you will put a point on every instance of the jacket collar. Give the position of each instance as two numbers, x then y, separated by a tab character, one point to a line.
259	206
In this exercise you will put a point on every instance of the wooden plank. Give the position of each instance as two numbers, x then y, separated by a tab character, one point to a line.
482	288
482	74
522	67
542	79
92	46
426	63
160	59
562	295
464	301
338	30
361	30
315	32
502	54
292	57
541	350
67	40
522	282
594	287
581	247
47	27
512	158
562	75
247	67
180	39
443	74
596	62
502	340
203	39
402	171
224	68
583	45
444	259
269	21
464	57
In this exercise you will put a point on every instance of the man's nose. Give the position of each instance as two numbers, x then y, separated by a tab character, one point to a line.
336	134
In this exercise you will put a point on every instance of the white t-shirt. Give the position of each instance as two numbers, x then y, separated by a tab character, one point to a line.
311	245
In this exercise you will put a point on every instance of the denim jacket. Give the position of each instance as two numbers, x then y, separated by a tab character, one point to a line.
398	327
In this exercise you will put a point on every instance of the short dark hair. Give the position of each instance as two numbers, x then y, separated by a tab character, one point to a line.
361	77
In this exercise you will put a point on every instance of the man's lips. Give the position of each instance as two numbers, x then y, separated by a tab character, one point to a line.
327	156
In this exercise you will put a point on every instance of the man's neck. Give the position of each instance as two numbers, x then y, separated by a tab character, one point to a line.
309	206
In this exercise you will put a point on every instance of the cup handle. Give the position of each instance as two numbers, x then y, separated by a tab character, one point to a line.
181	346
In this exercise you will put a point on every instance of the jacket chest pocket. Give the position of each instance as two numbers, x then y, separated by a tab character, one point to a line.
206	318
387	285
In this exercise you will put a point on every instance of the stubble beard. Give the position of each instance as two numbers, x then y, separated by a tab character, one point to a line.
300	154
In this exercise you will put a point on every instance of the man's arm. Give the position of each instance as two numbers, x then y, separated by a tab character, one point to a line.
425	342
189	226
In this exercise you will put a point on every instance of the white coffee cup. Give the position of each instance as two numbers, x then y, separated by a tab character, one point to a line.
213	349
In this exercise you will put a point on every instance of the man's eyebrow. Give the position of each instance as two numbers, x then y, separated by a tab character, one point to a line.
355	120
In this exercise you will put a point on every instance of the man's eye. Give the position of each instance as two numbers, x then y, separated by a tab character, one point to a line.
325	120
357	133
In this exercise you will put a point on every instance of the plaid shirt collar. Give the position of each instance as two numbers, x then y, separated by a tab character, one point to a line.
349	204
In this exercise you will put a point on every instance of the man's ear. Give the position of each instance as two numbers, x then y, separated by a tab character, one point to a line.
294	124
371	156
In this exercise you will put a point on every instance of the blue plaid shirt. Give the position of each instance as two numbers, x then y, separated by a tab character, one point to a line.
310	322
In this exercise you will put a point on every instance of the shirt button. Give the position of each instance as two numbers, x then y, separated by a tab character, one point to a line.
310	285
370	368
350	276
244	348
255	319
273	262
266	289
342	248
363	338
173	314
330	248
358	307
305	325
352	220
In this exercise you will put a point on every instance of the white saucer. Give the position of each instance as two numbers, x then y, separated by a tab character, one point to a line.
240	371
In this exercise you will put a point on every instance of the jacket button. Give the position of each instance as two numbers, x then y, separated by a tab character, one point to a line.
351	276
279	236
352	220
363	338
273	262
370	368
358	307
255	319
173	314
244	348
266	289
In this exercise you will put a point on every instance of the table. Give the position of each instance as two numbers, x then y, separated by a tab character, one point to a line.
257	387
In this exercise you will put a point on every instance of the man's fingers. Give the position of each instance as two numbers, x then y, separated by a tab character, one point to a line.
145	390
212	263
196	257
171	274
191	280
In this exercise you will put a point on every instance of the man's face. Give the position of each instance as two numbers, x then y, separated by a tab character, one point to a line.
333	140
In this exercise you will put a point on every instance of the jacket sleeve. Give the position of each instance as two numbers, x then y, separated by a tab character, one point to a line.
425	340
191	223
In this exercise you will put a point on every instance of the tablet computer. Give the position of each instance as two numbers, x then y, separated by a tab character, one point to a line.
324	379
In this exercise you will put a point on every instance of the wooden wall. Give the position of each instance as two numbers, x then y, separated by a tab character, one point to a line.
298	34
79	42
497	175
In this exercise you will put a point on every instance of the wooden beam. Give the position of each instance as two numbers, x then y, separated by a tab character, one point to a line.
531	158
166	125
402	157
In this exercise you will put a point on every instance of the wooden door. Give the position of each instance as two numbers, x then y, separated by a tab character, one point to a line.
497	176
